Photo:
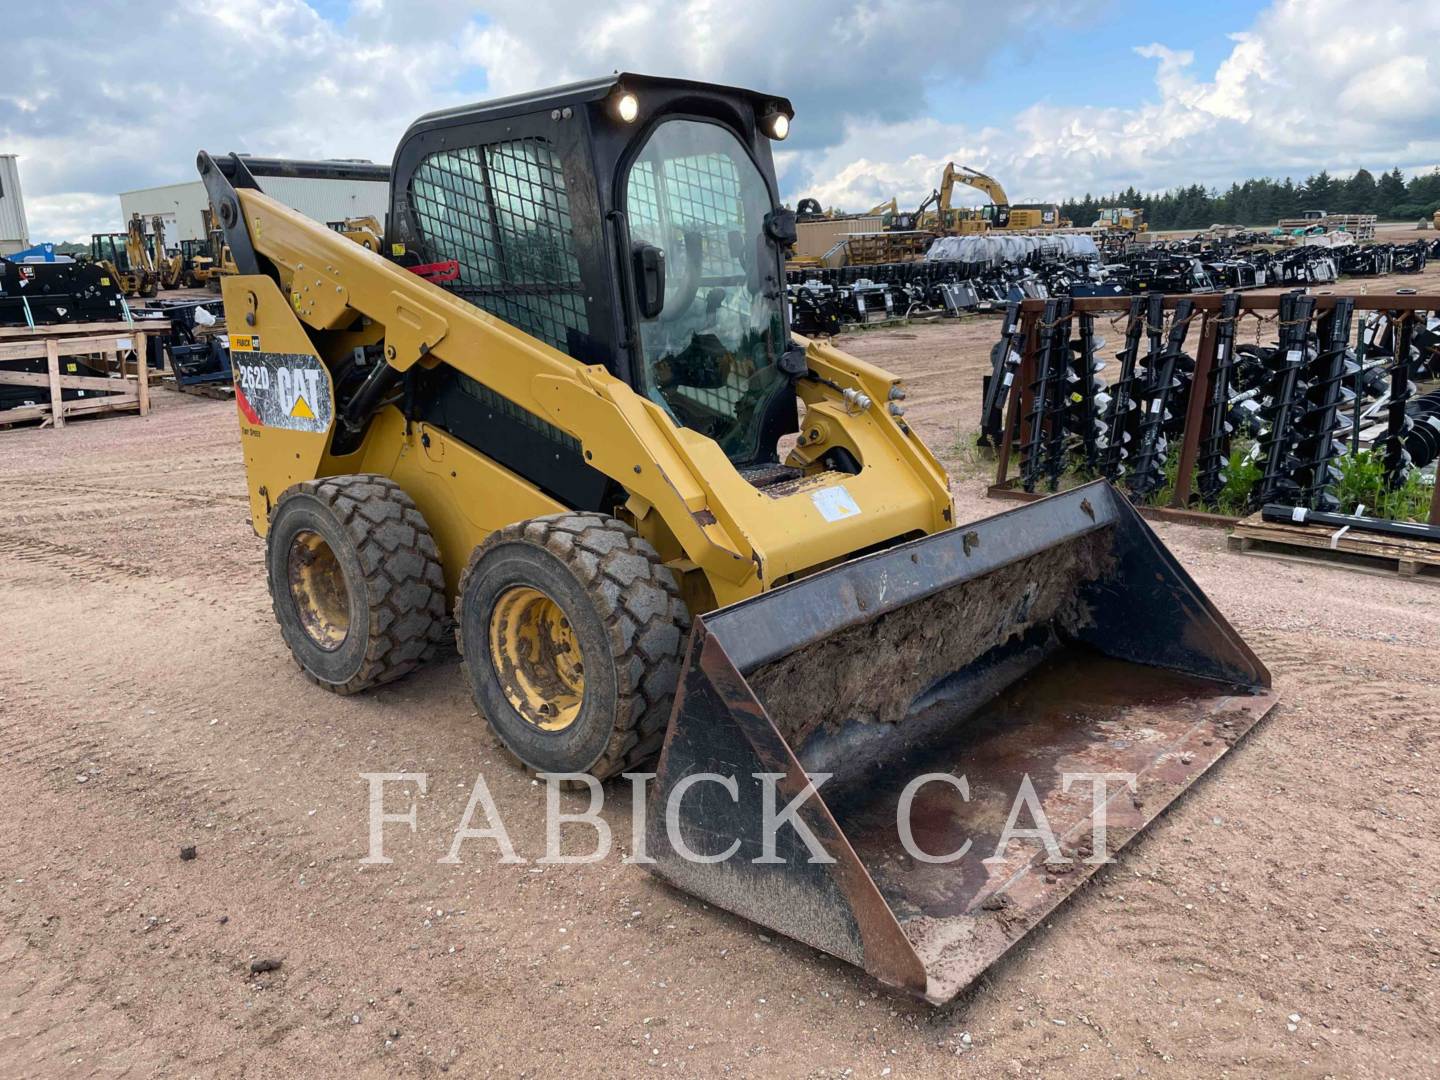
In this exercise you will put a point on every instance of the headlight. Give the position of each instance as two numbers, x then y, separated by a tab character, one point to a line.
775	124
625	106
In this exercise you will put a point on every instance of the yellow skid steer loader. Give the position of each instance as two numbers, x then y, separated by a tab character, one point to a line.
562	406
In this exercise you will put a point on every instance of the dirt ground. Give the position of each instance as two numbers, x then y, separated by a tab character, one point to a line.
1281	920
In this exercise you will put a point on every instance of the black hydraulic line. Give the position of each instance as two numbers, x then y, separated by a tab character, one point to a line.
1124	395
1214	453
1293	515
1032	447
378	382
1148	473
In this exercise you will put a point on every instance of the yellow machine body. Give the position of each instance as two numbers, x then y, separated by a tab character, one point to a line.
793	605
725	538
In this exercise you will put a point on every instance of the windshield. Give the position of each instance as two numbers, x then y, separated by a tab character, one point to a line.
710	355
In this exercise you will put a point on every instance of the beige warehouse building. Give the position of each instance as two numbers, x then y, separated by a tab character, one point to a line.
324	190
14	233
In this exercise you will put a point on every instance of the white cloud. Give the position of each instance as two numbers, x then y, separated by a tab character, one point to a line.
98	100
1311	83
91	114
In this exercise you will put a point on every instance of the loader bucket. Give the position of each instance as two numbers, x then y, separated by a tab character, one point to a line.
1057	639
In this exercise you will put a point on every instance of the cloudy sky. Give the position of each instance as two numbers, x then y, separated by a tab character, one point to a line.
1055	98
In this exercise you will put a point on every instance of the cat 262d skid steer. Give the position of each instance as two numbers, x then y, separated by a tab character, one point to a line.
562	406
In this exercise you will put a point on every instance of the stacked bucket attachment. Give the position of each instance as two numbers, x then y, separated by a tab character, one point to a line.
1054	640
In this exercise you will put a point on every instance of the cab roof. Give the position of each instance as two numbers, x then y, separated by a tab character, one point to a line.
584	93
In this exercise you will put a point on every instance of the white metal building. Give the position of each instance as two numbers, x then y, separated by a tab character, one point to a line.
325	191
14	234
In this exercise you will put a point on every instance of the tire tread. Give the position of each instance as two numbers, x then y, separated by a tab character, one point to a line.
409	624
638	600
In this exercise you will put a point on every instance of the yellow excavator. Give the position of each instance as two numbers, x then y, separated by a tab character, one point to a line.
559	419
999	216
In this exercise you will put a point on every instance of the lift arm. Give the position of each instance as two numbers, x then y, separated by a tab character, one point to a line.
295	272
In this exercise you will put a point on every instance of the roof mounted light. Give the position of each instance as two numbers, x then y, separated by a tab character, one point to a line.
775	123
624	106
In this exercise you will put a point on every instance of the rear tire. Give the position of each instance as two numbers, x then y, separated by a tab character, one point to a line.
536	593
355	581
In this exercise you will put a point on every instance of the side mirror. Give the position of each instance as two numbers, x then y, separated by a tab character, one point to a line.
649	265
780	227
793	362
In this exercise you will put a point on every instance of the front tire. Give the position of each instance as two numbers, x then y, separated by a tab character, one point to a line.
355	581
571	629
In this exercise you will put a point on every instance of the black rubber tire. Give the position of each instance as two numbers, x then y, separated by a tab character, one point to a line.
631	624
391	569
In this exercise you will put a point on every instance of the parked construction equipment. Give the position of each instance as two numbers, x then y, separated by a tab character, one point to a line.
998	216
196	263
1120	218
125	257
170	268
551	405
42	293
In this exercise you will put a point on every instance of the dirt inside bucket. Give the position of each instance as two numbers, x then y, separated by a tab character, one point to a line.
873	672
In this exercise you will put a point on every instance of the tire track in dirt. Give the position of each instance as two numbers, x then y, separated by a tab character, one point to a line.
76	562
214	498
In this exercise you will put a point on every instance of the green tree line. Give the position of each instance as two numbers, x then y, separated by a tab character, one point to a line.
1265	201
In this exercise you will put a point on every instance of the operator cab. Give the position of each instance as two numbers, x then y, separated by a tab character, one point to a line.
631	222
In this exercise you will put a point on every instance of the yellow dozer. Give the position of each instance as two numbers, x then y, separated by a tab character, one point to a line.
559	418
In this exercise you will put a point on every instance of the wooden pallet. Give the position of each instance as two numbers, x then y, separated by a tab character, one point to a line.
1367	552
119	348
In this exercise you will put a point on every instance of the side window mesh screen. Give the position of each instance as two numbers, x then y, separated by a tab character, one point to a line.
502	213
700	193
697	193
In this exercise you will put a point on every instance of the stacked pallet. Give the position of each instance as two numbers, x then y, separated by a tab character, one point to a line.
1353	548
51	373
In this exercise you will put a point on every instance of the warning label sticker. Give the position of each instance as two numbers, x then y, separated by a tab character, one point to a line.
282	390
834	503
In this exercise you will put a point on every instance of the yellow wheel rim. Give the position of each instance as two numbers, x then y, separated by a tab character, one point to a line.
537	656
317	586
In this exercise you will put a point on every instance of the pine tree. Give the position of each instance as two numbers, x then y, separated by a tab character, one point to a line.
1358	196
1423	193
1390	192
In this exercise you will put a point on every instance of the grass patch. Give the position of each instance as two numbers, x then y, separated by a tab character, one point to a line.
1362	483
